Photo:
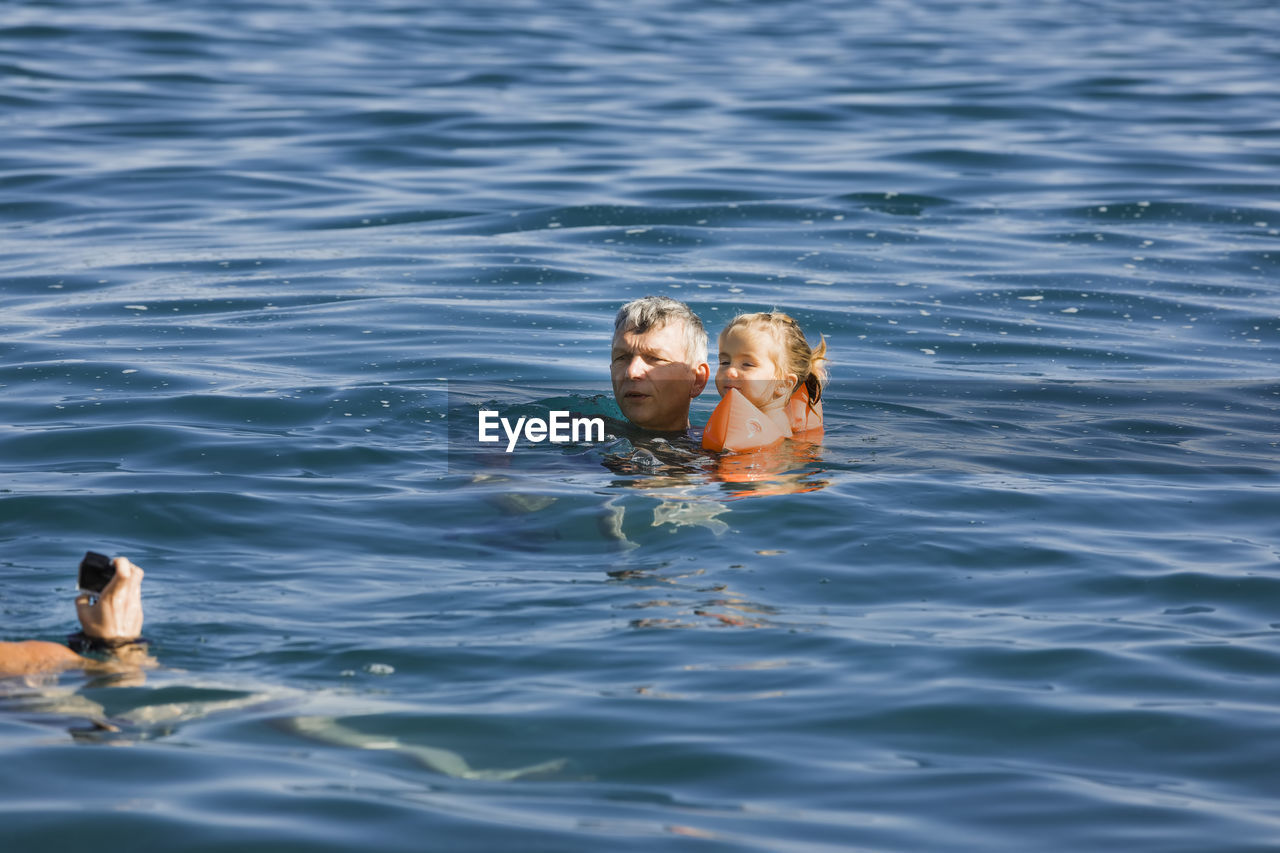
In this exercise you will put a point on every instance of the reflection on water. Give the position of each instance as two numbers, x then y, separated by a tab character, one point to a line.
687	595
791	467
118	711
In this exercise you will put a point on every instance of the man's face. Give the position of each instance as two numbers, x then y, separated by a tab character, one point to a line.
653	381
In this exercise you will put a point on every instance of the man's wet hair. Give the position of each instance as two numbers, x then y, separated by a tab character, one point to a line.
655	312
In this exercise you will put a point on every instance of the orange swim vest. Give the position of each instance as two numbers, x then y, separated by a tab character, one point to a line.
736	424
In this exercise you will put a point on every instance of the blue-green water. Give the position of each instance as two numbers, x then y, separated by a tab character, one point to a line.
1023	597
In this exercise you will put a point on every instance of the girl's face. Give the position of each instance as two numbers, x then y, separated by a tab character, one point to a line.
748	362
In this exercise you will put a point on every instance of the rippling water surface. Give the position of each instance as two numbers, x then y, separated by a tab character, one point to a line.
255	256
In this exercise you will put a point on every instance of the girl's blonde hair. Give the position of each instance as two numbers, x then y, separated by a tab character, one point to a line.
795	355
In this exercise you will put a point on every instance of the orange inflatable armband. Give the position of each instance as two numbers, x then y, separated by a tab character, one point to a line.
801	415
736	424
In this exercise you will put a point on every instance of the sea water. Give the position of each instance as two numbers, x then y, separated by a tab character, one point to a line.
262	263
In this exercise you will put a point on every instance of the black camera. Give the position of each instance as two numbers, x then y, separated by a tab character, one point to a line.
96	571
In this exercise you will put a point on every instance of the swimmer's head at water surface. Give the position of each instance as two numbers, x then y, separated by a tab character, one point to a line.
766	357
658	362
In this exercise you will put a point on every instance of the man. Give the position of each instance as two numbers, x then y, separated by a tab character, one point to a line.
111	623
658	362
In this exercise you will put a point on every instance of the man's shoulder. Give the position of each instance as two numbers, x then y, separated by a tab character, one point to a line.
30	656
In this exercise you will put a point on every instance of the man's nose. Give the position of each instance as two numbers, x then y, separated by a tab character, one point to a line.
636	368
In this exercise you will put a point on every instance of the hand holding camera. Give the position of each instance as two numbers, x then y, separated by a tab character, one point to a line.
110	603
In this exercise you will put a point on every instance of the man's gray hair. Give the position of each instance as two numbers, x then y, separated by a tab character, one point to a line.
655	312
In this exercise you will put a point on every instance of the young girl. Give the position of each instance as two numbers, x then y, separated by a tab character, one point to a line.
766	358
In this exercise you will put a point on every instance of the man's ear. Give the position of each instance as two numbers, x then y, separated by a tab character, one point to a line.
701	374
